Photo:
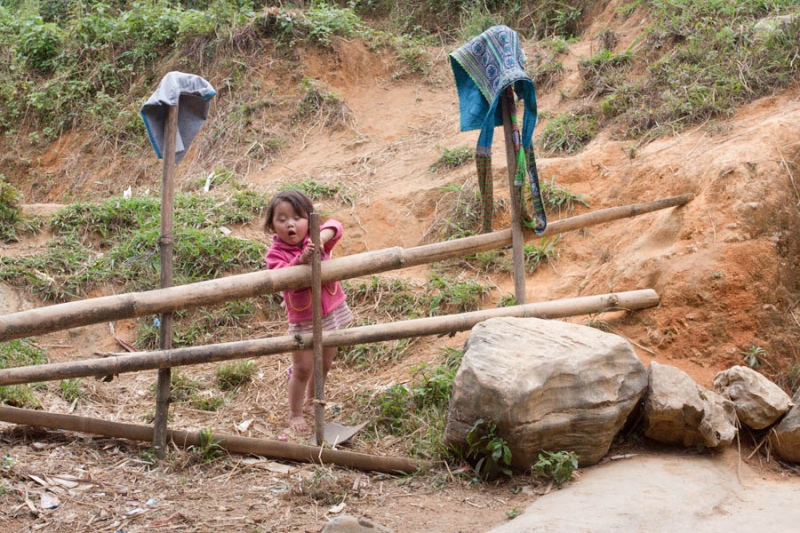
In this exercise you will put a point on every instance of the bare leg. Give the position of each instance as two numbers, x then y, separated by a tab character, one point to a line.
302	371
327	363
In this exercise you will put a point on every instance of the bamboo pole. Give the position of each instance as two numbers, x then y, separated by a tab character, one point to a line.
119	364
233	444
517	235
194	295
316	302
165	249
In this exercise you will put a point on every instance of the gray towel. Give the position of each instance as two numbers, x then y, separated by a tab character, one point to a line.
192	94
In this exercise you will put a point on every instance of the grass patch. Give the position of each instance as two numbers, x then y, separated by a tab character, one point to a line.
418	411
232	376
560	199
70	389
569	133
544	252
450	296
116	241
453	158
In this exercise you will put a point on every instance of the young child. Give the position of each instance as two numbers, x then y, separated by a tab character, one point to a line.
287	218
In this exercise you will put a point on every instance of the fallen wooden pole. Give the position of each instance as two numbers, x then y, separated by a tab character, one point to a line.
194	295
233	444
119	364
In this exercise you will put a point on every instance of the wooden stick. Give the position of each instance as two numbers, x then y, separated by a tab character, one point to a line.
165	248
194	295
233	444
122	363
316	303
517	235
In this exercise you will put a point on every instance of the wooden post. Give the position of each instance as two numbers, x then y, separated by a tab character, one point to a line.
195	295
316	303
165	248
517	234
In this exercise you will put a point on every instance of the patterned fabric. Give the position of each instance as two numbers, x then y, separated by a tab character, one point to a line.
336	319
485	68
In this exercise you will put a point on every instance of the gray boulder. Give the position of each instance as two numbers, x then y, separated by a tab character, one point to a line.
758	401
547	385
679	411
785	437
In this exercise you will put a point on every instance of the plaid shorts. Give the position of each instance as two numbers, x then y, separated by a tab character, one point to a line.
336	319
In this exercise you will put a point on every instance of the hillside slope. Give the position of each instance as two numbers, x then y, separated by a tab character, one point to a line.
727	268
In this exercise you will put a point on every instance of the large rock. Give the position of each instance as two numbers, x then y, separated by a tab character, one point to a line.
547	385
679	411
785	437
758	401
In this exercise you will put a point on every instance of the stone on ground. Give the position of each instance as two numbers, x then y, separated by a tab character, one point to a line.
759	402
679	411
547	385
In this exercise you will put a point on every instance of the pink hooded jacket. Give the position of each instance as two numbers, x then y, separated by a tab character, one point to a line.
298	301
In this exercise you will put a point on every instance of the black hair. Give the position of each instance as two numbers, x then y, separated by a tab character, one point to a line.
299	201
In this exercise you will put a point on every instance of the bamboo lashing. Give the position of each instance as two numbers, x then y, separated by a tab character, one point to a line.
233	444
194	295
119	364
316	303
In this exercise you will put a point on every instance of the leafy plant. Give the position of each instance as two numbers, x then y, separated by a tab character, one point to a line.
233	375
754	356
9	210
536	254
556	466
489	450
209	448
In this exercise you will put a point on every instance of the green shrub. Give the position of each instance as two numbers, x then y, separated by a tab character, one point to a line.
557	467
488	450
9	210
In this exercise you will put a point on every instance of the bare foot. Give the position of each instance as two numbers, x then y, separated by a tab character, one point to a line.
298	424
308	406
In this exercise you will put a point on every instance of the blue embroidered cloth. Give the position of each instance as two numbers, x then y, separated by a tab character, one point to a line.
483	68
192	94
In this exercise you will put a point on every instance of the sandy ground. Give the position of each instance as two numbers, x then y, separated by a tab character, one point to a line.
667	493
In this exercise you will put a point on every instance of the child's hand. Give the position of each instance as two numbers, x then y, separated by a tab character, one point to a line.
326	235
306	254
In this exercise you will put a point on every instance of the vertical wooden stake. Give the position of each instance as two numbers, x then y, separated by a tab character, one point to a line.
165	248
517	235
316	305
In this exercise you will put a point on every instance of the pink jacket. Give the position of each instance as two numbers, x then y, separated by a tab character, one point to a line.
298	301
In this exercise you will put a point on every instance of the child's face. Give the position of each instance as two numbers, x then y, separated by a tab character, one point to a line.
290	226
